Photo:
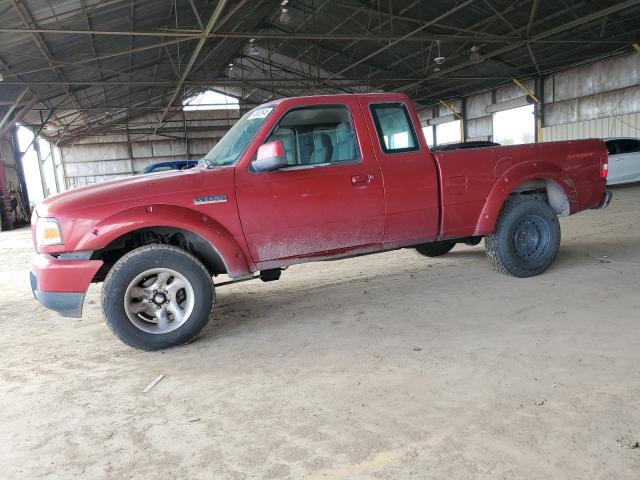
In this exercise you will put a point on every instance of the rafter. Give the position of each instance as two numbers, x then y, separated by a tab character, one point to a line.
194	55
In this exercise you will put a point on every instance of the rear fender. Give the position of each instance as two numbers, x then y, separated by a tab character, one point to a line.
509	181
126	221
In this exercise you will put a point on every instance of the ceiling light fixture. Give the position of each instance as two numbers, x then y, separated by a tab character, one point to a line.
285	18
252	48
439	60
475	55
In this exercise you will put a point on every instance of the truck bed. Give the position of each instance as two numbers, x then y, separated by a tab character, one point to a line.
475	182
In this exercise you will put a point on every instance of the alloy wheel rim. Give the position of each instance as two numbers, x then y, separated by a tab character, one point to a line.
159	300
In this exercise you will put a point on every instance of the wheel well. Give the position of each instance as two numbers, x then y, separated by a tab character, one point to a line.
550	190
184	239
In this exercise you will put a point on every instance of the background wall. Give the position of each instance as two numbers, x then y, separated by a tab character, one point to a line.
106	157
599	100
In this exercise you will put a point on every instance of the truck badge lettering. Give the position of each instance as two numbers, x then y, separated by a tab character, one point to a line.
209	199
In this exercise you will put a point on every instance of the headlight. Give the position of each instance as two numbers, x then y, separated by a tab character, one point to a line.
48	232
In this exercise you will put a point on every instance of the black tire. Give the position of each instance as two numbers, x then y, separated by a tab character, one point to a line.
435	249
144	259
526	238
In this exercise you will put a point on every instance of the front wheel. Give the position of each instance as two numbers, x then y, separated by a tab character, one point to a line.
526	239
157	296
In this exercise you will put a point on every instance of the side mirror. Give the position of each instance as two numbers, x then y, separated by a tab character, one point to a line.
271	156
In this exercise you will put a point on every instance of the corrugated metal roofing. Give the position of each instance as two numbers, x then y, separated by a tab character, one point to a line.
131	63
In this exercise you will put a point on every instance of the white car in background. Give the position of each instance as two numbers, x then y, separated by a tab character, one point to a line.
624	160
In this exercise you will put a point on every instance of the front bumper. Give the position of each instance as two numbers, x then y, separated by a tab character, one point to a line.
60	285
67	304
605	200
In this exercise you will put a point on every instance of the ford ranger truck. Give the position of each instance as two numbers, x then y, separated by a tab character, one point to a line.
298	180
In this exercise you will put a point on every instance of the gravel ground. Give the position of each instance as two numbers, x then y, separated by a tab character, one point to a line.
388	366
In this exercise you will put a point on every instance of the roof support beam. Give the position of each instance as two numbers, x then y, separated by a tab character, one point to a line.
213	51
9	125
194	55
226	82
404	18
293	36
283	36
439	18
58	64
532	16
17	101
27	20
540	36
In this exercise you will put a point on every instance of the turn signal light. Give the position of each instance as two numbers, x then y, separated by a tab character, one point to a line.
48	232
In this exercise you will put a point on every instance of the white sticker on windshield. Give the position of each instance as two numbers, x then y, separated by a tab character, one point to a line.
260	113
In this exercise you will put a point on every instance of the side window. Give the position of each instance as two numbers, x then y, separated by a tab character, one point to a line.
394	127
629	146
317	135
288	138
612	147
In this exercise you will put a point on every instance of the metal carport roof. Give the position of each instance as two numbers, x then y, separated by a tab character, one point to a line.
87	66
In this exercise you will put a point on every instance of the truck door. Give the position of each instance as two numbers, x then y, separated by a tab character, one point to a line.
409	172
329	198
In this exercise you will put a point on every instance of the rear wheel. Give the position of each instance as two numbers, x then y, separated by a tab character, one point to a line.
526	239
435	249
157	296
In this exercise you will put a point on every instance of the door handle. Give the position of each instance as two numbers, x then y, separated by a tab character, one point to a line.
361	179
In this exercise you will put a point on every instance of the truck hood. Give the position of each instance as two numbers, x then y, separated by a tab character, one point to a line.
164	187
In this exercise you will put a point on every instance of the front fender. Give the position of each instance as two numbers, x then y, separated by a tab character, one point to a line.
509	179
136	218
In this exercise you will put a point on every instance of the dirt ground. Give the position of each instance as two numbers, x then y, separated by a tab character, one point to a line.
389	366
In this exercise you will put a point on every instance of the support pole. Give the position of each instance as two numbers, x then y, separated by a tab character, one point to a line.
19	168
43	180
457	115
55	168
435	136
538	111
463	123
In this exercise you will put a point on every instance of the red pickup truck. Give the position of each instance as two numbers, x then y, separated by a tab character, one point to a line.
298	180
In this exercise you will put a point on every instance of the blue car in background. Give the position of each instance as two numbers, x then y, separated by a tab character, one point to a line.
174	165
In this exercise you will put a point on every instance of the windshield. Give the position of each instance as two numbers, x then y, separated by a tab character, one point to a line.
228	150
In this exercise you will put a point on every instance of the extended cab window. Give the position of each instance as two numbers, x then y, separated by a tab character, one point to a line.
395	131
317	135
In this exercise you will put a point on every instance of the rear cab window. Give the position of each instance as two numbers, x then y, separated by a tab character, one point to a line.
394	128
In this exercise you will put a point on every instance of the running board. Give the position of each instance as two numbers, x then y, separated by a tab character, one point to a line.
269	275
